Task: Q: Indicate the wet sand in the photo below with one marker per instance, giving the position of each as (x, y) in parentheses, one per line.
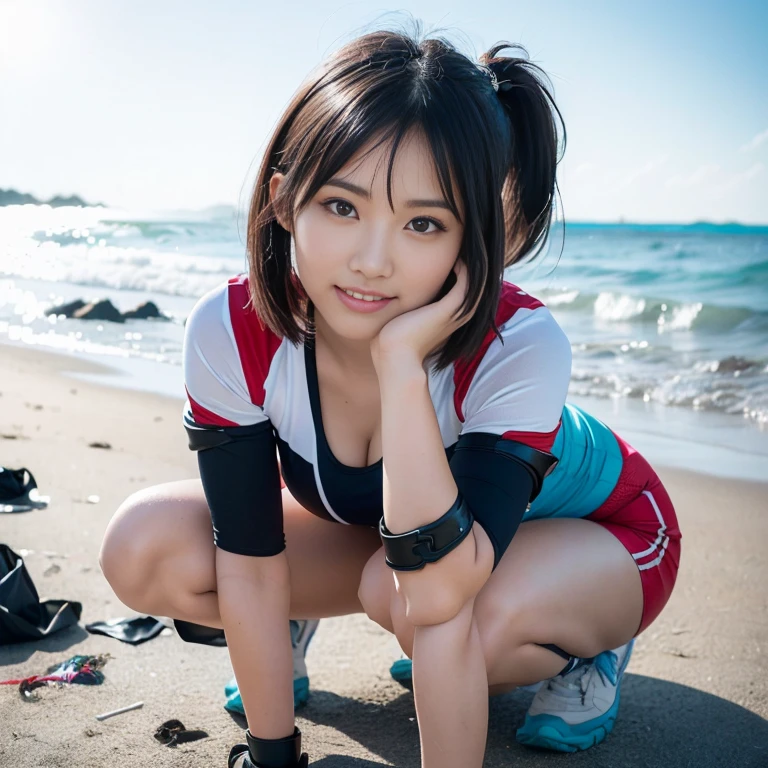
(695, 694)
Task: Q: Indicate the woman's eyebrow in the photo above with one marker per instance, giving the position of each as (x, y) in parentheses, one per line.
(350, 187)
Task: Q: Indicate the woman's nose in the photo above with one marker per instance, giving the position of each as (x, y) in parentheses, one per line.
(373, 254)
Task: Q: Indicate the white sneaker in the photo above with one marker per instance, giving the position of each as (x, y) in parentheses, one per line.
(577, 710)
(301, 634)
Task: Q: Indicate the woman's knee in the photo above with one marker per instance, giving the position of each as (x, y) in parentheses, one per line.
(129, 545)
(375, 590)
(149, 528)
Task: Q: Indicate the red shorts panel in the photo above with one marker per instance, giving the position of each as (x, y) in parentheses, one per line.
(640, 514)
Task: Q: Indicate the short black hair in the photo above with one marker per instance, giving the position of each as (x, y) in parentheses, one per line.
(496, 150)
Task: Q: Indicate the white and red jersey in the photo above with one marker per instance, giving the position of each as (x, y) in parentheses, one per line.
(237, 372)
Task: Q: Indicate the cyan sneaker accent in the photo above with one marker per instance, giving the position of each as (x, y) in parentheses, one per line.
(301, 634)
(578, 710)
(402, 671)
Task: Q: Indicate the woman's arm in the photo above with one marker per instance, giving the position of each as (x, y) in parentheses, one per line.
(452, 708)
(418, 489)
(237, 456)
(254, 599)
(515, 395)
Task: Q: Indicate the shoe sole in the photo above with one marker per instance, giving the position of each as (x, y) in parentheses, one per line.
(544, 731)
(552, 732)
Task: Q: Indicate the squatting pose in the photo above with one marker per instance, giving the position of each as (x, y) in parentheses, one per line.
(381, 425)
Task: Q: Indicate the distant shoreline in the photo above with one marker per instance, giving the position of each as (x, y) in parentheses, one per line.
(728, 227)
(10, 197)
(13, 197)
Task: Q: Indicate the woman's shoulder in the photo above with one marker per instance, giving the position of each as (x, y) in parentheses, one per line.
(228, 304)
(528, 328)
(517, 383)
(523, 322)
(228, 339)
(530, 364)
(516, 304)
(522, 319)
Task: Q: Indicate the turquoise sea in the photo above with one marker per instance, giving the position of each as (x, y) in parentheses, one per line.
(668, 323)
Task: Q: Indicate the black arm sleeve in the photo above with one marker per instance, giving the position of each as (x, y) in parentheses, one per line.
(498, 479)
(241, 480)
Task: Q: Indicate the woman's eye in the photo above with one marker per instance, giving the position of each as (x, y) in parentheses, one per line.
(438, 226)
(343, 208)
(422, 226)
(342, 204)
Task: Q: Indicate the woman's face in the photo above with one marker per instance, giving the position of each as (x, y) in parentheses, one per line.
(352, 239)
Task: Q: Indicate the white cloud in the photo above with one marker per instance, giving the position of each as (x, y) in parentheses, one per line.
(755, 142)
(700, 175)
(741, 178)
(643, 170)
(582, 169)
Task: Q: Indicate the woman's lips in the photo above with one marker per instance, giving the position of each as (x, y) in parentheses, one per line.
(360, 305)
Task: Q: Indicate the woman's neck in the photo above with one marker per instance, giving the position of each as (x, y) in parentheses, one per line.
(352, 357)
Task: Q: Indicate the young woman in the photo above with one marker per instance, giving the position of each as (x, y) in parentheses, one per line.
(417, 403)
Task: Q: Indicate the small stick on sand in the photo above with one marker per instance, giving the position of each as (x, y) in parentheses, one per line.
(137, 705)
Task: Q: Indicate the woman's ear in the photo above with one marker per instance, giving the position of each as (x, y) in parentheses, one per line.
(274, 183)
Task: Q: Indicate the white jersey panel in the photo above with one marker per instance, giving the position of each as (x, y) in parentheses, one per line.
(441, 391)
(521, 385)
(287, 401)
(213, 373)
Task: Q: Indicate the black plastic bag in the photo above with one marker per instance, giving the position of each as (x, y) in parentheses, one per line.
(22, 616)
(197, 633)
(18, 491)
(134, 631)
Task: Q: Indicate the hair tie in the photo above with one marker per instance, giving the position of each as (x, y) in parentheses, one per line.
(488, 71)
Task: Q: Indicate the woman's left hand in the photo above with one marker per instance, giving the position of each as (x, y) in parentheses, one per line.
(415, 334)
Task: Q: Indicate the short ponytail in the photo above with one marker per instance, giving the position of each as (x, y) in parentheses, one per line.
(529, 190)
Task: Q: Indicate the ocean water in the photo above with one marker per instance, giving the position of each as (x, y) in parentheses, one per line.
(663, 319)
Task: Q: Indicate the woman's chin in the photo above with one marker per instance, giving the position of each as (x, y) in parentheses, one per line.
(356, 332)
(354, 326)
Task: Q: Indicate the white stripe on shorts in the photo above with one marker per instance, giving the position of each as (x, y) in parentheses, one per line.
(661, 538)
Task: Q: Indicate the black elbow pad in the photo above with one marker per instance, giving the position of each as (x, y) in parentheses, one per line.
(241, 479)
(537, 463)
(498, 478)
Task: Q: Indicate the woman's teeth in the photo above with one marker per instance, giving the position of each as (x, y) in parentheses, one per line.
(363, 296)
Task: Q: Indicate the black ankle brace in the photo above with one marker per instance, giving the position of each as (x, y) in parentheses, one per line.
(276, 753)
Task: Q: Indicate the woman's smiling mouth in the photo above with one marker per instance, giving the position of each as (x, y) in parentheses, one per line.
(362, 302)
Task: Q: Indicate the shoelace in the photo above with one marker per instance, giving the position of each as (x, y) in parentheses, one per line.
(576, 683)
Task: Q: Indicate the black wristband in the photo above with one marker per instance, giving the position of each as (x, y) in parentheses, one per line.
(412, 550)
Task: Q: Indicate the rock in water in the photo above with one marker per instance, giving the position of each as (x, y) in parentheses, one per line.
(100, 310)
(67, 309)
(144, 311)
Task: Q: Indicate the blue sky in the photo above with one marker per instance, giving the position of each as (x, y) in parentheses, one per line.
(169, 104)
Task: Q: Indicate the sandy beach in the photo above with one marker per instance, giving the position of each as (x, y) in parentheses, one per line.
(696, 691)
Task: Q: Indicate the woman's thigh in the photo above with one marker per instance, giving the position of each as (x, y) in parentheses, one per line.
(159, 546)
(568, 582)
